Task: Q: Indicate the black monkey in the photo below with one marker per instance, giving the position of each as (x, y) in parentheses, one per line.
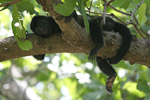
(45, 26)
(97, 37)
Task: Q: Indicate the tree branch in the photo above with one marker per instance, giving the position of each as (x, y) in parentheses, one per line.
(10, 3)
(55, 44)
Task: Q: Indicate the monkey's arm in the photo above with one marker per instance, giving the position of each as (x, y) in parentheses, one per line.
(97, 38)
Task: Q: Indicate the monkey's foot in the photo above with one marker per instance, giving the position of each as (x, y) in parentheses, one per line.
(93, 52)
(68, 19)
(110, 82)
(39, 57)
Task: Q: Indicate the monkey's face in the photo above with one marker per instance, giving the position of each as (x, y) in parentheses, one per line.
(43, 27)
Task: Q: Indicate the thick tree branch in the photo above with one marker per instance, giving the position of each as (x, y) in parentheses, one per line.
(54, 44)
(75, 35)
(138, 52)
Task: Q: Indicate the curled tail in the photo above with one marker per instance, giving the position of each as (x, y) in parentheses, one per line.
(125, 45)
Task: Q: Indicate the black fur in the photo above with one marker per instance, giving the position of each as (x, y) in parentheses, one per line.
(97, 37)
(45, 26)
(39, 57)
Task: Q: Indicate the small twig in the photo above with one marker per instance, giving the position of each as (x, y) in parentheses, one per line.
(124, 13)
(135, 27)
(10, 3)
(143, 1)
(110, 15)
(118, 19)
(136, 20)
(106, 4)
(87, 7)
(119, 11)
(90, 6)
(144, 32)
(128, 14)
(132, 14)
(137, 30)
(96, 13)
(104, 12)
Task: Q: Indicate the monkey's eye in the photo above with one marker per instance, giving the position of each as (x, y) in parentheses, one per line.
(38, 30)
(40, 23)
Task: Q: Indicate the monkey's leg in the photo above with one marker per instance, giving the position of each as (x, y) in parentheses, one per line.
(97, 38)
(108, 70)
(39, 57)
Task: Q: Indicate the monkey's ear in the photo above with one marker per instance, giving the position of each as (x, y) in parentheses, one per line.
(34, 21)
(39, 57)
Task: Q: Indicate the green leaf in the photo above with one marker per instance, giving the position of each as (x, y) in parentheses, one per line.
(2, 1)
(141, 14)
(126, 4)
(25, 5)
(143, 20)
(148, 74)
(143, 86)
(131, 88)
(132, 6)
(147, 2)
(17, 24)
(66, 8)
(26, 45)
(118, 3)
(86, 22)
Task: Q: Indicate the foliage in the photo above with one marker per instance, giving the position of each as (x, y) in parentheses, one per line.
(72, 76)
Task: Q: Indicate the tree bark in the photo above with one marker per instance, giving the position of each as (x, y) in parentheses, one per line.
(74, 39)
(138, 52)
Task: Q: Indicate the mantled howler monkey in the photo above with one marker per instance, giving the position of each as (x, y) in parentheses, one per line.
(97, 37)
(45, 26)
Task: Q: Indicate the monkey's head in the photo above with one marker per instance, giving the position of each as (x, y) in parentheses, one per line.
(42, 25)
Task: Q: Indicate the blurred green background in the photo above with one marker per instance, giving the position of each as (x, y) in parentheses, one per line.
(65, 76)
